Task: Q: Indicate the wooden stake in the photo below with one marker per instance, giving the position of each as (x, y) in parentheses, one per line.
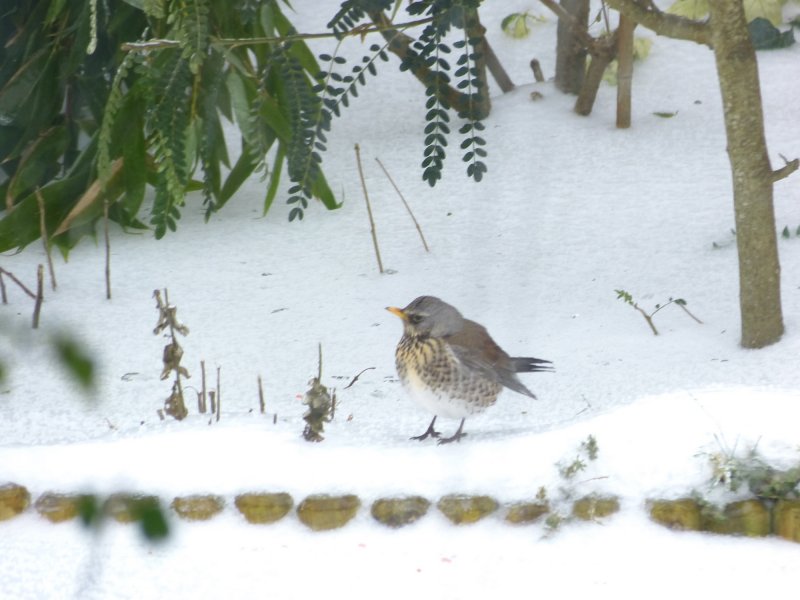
(624, 70)
(39, 295)
(45, 239)
(369, 210)
(408, 208)
(536, 67)
(261, 403)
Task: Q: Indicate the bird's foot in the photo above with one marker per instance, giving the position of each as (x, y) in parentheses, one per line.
(429, 432)
(456, 437)
(453, 438)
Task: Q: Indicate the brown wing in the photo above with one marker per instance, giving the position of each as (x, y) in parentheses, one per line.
(474, 347)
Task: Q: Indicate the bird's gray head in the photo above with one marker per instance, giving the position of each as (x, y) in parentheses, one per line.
(429, 316)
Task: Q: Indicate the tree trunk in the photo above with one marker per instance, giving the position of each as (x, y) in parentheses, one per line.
(624, 70)
(570, 49)
(756, 240)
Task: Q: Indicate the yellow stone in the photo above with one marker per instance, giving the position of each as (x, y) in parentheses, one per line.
(14, 499)
(58, 508)
(590, 508)
(198, 507)
(676, 514)
(787, 519)
(462, 509)
(262, 508)
(321, 512)
(526, 512)
(397, 512)
(748, 517)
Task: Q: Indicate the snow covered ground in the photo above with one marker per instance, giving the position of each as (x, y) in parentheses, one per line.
(570, 210)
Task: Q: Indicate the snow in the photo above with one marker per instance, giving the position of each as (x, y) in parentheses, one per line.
(570, 210)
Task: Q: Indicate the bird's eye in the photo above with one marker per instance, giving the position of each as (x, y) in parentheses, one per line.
(415, 319)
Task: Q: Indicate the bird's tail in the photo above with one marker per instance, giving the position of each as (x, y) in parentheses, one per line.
(522, 364)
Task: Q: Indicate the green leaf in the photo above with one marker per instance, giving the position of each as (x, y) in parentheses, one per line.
(238, 175)
(153, 522)
(75, 360)
(765, 36)
(764, 9)
(274, 178)
(665, 115)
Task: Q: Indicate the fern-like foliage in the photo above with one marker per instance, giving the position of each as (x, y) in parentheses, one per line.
(192, 30)
(351, 12)
(427, 58)
(471, 83)
(168, 139)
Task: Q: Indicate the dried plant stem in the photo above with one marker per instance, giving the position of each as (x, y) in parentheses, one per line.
(369, 210)
(45, 239)
(261, 404)
(108, 249)
(3, 295)
(647, 317)
(37, 308)
(212, 396)
(18, 282)
(201, 399)
(219, 395)
(686, 310)
(408, 208)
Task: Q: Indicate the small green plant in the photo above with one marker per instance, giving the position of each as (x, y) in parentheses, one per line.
(588, 451)
(753, 472)
(174, 406)
(648, 316)
(517, 25)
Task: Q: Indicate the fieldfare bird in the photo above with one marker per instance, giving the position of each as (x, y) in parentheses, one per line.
(451, 366)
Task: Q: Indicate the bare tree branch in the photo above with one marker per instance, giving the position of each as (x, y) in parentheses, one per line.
(648, 14)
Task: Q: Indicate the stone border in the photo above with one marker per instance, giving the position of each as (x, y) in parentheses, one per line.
(320, 512)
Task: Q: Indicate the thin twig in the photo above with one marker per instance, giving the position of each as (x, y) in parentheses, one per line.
(37, 308)
(686, 310)
(369, 209)
(18, 282)
(349, 385)
(647, 317)
(234, 42)
(219, 395)
(108, 249)
(3, 288)
(201, 399)
(262, 405)
(45, 239)
(408, 208)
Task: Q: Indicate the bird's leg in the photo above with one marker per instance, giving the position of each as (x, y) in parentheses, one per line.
(429, 432)
(456, 436)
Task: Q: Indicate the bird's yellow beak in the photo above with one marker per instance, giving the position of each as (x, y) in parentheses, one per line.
(397, 311)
